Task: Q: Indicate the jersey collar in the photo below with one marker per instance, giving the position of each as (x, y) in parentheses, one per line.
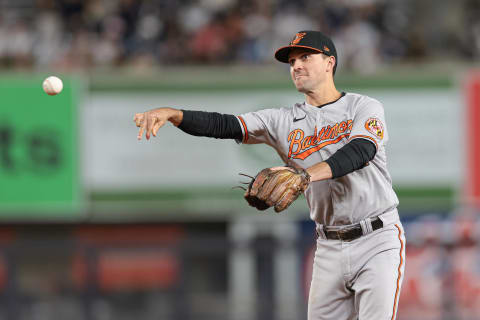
(328, 103)
(331, 102)
(299, 113)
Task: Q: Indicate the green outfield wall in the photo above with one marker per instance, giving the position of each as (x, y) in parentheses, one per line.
(39, 150)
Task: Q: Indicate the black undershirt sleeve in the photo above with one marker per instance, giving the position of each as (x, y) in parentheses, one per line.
(211, 124)
(353, 156)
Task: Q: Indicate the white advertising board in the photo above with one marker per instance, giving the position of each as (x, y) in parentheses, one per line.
(424, 149)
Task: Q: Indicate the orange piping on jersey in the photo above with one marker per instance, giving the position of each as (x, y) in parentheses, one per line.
(366, 137)
(303, 155)
(245, 136)
(399, 272)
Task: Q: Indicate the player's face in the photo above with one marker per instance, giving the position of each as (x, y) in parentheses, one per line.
(309, 70)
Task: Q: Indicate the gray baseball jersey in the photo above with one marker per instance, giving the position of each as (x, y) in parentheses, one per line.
(305, 135)
(358, 279)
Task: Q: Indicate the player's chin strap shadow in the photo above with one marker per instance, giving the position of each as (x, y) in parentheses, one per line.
(246, 183)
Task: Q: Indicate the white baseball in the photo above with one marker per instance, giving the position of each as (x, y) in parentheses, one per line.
(52, 85)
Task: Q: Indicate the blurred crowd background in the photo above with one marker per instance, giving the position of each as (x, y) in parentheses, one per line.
(86, 34)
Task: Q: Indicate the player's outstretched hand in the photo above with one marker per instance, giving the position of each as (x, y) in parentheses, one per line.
(150, 121)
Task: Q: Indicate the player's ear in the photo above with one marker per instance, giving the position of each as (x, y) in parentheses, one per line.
(331, 63)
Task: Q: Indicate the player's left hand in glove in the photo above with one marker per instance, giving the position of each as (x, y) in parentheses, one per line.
(276, 187)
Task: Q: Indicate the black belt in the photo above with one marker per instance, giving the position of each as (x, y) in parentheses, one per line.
(352, 232)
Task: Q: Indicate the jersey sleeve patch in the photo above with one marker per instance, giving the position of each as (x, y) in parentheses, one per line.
(375, 127)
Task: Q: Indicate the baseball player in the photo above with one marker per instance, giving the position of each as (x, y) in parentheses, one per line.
(333, 145)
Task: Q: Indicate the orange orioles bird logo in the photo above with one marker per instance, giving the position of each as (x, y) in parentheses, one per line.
(299, 36)
(301, 146)
(375, 126)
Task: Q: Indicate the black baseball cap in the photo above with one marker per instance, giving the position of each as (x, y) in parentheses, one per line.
(313, 40)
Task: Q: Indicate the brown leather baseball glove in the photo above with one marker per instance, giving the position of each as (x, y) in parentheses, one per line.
(276, 187)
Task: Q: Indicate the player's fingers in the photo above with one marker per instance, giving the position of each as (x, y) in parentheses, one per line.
(140, 133)
(150, 121)
(142, 128)
(138, 118)
(157, 126)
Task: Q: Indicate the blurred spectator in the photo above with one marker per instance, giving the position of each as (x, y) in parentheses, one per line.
(19, 46)
(358, 40)
(83, 34)
(210, 43)
(465, 268)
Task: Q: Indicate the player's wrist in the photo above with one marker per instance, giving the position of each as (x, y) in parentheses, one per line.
(175, 116)
(320, 171)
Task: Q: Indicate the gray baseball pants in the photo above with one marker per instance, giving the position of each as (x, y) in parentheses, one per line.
(359, 279)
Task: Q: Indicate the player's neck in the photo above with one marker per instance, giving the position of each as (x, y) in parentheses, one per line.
(322, 95)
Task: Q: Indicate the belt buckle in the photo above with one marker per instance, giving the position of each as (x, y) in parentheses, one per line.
(341, 233)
